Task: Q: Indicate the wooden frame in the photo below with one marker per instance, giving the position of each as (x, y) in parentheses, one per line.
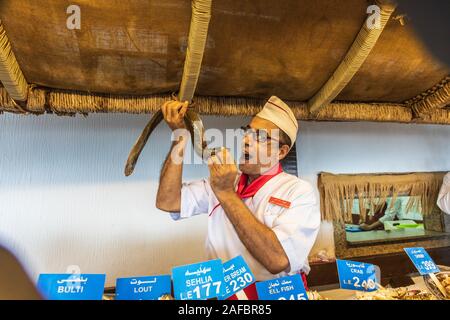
(393, 266)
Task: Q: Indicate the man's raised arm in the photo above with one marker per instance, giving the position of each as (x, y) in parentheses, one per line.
(169, 190)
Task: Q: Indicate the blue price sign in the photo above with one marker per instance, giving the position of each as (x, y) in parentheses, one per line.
(198, 281)
(355, 275)
(72, 286)
(285, 288)
(236, 276)
(422, 260)
(143, 288)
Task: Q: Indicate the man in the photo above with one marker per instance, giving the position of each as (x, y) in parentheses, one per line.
(381, 214)
(269, 217)
(443, 201)
(390, 212)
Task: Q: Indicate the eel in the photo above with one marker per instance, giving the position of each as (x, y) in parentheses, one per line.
(193, 123)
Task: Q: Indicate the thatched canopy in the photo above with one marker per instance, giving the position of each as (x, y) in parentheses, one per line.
(128, 55)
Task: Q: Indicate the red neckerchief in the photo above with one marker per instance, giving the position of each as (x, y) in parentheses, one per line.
(247, 191)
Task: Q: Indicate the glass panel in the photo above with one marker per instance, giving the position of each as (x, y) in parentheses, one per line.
(396, 219)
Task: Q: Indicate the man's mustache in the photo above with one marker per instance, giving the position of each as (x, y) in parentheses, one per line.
(255, 157)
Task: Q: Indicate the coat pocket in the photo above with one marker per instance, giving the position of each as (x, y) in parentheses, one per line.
(272, 213)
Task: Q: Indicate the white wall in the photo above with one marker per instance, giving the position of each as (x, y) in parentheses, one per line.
(64, 199)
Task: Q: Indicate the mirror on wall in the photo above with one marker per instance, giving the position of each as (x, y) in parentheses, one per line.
(383, 208)
(393, 219)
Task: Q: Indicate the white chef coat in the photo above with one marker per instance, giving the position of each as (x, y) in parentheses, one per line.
(296, 227)
(398, 210)
(444, 195)
(392, 212)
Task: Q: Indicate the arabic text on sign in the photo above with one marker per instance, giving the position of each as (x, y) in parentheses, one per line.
(357, 275)
(285, 288)
(236, 273)
(198, 281)
(70, 289)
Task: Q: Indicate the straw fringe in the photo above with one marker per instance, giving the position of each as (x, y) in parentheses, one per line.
(435, 98)
(235, 106)
(10, 74)
(72, 102)
(6, 103)
(439, 116)
(36, 100)
(62, 102)
(429, 92)
(383, 112)
(372, 191)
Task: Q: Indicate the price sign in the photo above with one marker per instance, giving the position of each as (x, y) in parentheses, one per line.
(198, 281)
(422, 260)
(360, 276)
(143, 288)
(237, 276)
(285, 288)
(72, 286)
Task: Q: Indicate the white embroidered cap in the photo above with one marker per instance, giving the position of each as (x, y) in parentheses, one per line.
(279, 113)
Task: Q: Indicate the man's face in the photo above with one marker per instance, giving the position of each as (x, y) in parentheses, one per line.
(261, 147)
